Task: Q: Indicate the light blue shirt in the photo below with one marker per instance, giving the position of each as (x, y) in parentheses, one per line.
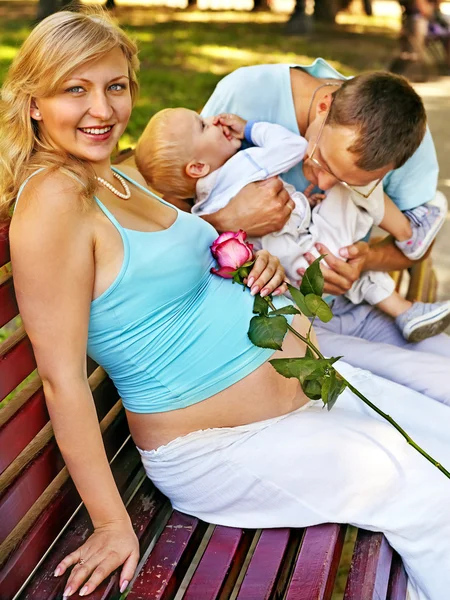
(263, 93)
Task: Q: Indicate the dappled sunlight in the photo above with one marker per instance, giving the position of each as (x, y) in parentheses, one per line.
(8, 52)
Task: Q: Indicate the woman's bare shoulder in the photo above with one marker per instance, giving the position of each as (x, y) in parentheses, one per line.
(50, 201)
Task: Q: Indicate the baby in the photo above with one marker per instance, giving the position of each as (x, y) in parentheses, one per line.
(183, 156)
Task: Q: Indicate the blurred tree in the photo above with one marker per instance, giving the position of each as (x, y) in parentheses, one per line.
(325, 11)
(48, 7)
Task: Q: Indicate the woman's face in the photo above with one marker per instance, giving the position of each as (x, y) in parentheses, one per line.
(90, 111)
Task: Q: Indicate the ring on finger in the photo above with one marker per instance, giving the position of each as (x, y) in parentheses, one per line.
(81, 561)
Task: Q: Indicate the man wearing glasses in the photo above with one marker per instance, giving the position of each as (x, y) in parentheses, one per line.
(357, 145)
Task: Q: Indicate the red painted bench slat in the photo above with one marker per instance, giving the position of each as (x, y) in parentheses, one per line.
(15, 365)
(371, 565)
(317, 563)
(8, 304)
(160, 576)
(44, 584)
(260, 578)
(4, 245)
(53, 518)
(215, 564)
(21, 428)
(398, 581)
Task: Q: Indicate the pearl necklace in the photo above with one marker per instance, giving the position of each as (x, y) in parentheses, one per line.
(126, 195)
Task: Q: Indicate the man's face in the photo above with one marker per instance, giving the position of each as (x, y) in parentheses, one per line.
(329, 162)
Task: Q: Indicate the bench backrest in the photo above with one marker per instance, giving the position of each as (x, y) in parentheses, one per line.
(37, 497)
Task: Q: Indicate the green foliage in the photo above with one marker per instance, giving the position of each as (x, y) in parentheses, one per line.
(316, 374)
(268, 332)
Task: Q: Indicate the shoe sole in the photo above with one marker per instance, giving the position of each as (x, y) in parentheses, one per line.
(427, 326)
(426, 243)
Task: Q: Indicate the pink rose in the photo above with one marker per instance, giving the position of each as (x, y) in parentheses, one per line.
(231, 252)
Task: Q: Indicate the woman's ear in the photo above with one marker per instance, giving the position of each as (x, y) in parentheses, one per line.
(196, 169)
(35, 112)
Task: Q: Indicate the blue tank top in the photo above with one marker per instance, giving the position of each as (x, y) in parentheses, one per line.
(167, 331)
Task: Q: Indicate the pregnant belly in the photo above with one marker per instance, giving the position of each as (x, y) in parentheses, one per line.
(262, 394)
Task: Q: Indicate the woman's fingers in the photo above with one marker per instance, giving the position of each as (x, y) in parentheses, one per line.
(100, 572)
(68, 561)
(266, 275)
(129, 568)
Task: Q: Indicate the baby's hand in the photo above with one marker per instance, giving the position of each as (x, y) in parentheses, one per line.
(233, 125)
(313, 199)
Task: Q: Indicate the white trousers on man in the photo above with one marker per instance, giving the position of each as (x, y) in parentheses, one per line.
(313, 466)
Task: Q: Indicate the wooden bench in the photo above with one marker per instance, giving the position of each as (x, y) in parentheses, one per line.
(42, 518)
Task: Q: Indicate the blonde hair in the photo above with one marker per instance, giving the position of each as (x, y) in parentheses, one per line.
(162, 154)
(54, 49)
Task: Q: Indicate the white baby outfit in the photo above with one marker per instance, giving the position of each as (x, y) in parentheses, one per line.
(339, 220)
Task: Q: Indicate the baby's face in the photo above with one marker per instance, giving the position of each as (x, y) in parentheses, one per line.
(210, 143)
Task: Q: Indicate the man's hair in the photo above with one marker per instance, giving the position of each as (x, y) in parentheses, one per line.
(388, 114)
(162, 154)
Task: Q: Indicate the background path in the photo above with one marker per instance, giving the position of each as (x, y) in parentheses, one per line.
(436, 97)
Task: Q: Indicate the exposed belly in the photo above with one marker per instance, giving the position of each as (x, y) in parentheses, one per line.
(263, 394)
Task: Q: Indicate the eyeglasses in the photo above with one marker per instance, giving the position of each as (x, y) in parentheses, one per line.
(318, 165)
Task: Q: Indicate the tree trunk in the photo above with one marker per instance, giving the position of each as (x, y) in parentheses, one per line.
(299, 23)
(260, 5)
(110, 4)
(325, 11)
(46, 8)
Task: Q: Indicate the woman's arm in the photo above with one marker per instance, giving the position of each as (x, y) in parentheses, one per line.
(52, 250)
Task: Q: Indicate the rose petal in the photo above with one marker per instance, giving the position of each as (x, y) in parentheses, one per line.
(233, 253)
(225, 272)
(223, 237)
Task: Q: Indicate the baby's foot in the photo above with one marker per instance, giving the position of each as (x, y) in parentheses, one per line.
(423, 320)
(426, 220)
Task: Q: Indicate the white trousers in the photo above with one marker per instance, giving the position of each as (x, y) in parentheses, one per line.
(370, 339)
(313, 466)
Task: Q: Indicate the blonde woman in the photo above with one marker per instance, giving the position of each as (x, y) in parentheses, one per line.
(100, 264)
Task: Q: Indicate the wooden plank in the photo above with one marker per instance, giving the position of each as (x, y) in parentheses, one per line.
(4, 244)
(21, 428)
(261, 576)
(215, 564)
(22, 494)
(398, 580)
(36, 535)
(15, 365)
(370, 568)
(167, 564)
(317, 563)
(44, 584)
(8, 303)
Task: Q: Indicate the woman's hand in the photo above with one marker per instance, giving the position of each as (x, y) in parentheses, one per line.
(267, 275)
(341, 274)
(109, 547)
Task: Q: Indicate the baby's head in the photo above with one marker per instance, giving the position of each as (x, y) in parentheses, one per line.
(178, 147)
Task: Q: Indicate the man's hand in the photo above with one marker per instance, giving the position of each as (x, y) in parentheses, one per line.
(340, 274)
(259, 208)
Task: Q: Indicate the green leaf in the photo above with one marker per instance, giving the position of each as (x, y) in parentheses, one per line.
(318, 307)
(312, 281)
(285, 310)
(309, 353)
(260, 306)
(301, 368)
(299, 300)
(268, 332)
(313, 388)
(332, 387)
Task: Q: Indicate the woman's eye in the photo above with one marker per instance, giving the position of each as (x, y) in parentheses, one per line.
(117, 87)
(76, 89)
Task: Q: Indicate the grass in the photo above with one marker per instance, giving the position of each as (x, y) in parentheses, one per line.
(184, 54)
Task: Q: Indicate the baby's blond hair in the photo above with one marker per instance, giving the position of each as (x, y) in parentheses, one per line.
(162, 154)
